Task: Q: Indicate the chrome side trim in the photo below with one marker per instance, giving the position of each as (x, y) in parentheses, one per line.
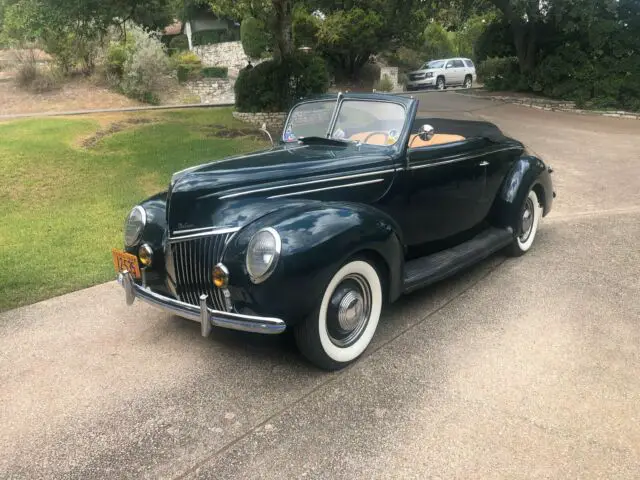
(310, 182)
(206, 232)
(357, 184)
(234, 321)
(459, 159)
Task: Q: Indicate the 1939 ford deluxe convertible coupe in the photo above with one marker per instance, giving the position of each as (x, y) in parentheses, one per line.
(358, 203)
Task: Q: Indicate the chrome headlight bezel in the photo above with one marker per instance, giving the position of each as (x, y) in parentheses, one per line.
(259, 276)
(132, 239)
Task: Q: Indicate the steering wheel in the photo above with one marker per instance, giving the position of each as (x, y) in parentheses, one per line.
(386, 137)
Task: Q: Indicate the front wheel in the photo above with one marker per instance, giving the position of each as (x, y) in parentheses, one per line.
(440, 85)
(528, 225)
(342, 326)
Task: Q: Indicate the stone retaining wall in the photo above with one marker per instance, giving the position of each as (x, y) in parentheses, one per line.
(274, 120)
(212, 90)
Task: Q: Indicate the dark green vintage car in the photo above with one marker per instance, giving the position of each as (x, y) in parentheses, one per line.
(358, 203)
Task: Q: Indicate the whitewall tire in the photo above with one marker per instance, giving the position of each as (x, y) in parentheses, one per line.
(530, 216)
(342, 326)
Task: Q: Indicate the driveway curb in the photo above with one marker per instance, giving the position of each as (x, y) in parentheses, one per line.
(541, 104)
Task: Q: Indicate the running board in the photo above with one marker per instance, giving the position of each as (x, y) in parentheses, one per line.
(423, 271)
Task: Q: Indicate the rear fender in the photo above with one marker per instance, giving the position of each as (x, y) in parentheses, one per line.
(316, 240)
(528, 172)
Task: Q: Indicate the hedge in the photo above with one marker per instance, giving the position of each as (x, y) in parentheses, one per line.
(273, 87)
(215, 72)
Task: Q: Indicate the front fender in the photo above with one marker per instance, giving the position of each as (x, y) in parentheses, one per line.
(317, 239)
(528, 172)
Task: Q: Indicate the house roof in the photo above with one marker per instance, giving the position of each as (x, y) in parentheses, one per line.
(174, 29)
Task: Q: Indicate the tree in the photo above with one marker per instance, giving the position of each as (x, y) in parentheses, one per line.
(438, 42)
(349, 37)
(254, 37)
(277, 15)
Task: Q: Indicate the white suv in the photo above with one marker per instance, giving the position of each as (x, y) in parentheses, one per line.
(443, 73)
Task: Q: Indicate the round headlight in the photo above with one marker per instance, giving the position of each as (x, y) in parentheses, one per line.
(262, 254)
(134, 225)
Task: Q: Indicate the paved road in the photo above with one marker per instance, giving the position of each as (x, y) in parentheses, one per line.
(521, 368)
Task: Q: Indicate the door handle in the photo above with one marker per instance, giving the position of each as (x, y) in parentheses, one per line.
(484, 163)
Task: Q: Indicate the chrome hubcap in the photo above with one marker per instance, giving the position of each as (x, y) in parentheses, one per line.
(527, 220)
(348, 310)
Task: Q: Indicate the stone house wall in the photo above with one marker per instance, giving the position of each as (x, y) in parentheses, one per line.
(226, 54)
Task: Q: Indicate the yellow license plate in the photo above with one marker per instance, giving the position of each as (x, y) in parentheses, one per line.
(124, 261)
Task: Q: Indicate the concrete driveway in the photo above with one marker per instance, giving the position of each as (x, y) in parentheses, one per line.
(523, 368)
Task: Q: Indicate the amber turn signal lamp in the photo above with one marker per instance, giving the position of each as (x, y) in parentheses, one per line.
(145, 255)
(220, 276)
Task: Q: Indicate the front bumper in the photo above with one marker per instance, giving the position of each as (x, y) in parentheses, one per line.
(422, 83)
(200, 313)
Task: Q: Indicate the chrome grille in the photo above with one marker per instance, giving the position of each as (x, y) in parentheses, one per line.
(190, 263)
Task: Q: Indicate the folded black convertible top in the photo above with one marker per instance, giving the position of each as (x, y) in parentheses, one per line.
(465, 128)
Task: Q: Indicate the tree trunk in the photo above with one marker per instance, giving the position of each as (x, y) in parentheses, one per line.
(283, 31)
(525, 41)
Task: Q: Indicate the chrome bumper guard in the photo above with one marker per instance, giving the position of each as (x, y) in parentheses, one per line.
(200, 313)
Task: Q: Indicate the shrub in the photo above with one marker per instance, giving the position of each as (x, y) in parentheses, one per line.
(46, 80)
(385, 84)
(179, 43)
(147, 68)
(115, 58)
(215, 72)
(187, 58)
(25, 66)
(186, 72)
(254, 37)
(273, 86)
(499, 73)
(189, 66)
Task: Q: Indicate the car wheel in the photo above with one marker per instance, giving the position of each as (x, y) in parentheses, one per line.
(440, 84)
(468, 81)
(343, 324)
(531, 213)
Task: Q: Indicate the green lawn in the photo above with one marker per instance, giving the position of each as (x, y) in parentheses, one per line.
(63, 204)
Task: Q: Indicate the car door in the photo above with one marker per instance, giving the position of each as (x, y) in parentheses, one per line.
(444, 190)
(460, 71)
(450, 73)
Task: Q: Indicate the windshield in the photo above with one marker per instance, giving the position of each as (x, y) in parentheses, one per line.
(365, 121)
(433, 64)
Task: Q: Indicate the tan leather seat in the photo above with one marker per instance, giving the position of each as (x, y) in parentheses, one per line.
(438, 139)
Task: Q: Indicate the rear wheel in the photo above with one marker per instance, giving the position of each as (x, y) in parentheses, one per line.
(528, 225)
(468, 81)
(440, 84)
(343, 324)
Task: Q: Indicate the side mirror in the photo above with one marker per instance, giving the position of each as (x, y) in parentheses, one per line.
(449, 65)
(264, 130)
(425, 134)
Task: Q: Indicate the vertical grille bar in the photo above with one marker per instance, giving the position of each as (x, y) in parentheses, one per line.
(192, 261)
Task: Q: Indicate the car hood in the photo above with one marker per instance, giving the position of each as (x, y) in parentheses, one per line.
(204, 196)
(424, 71)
